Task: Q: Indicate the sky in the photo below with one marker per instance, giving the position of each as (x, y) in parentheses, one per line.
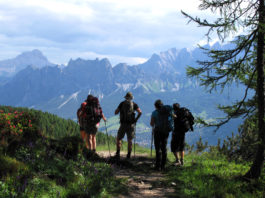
(124, 31)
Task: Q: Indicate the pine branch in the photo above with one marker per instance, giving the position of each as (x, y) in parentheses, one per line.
(232, 113)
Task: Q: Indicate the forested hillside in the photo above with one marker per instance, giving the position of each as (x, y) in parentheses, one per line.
(42, 155)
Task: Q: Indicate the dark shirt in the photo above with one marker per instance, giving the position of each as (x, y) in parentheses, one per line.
(135, 106)
(131, 118)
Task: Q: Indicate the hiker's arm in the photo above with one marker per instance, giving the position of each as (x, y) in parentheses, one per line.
(139, 114)
(152, 122)
(117, 111)
(104, 118)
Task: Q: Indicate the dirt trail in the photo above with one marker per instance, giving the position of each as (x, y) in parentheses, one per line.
(143, 180)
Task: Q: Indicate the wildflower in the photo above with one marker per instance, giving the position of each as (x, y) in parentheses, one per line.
(30, 125)
(20, 130)
(29, 121)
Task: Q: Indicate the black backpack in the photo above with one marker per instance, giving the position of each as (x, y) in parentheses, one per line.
(184, 120)
(92, 110)
(127, 114)
(165, 119)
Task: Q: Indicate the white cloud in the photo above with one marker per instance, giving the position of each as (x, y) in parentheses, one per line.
(129, 30)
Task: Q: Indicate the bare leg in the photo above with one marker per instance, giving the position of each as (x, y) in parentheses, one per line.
(84, 138)
(129, 145)
(90, 141)
(182, 157)
(176, 155)
(118, 144)
(94, 143)
(129, 148)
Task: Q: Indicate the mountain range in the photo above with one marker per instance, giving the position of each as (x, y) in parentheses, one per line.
(30, 80)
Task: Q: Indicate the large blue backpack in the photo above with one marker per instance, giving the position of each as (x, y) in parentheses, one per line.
(165, 119)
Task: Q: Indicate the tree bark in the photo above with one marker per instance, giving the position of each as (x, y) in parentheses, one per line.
(256, 168)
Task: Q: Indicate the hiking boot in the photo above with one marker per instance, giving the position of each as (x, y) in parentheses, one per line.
(117, 155)
(177, 163)
(157, 168)
(128, 155)
(163, 168)
(87, 154)
(181, 162)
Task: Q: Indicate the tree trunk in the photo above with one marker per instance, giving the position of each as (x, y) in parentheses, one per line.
(257, 165)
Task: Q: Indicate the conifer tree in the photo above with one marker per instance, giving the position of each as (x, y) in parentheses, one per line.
(243, 63)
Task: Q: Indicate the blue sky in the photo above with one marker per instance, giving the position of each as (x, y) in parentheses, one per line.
(127, 31)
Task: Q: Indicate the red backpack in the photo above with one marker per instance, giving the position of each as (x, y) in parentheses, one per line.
(91, 110)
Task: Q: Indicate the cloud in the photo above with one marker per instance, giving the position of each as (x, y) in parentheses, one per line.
(113, 28)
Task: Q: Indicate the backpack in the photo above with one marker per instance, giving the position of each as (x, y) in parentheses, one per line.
(165, 124)
(91, 110)
(184, 120)
(78, 113)
(127, 114)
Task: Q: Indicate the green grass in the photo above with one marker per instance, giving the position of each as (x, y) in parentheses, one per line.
(113, 124)
(138, 149)
(210, 176)
(38, 166)
(39, 171)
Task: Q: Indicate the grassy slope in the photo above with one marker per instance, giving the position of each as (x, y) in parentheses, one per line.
(34, 165)
(209, 175)
(53, 168)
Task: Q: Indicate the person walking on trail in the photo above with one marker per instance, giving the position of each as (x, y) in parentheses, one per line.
(162, 122)
(182, 124)
(89, 115)
(127, 109)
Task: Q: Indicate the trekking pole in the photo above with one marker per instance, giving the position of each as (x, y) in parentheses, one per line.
(107, 137)
(152, 139)
(134, 139)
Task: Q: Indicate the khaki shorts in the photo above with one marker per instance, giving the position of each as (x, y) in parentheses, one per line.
(129, 129)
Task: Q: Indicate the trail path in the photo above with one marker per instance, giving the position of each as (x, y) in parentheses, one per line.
(143, 180)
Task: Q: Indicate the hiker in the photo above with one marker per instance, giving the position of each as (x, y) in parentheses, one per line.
(182, 124)
(162, 123)
(128, 121)
(90, 114)
(80, 121)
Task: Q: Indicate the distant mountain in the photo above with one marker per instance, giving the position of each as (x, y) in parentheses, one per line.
(35, 58)
(60, 90)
